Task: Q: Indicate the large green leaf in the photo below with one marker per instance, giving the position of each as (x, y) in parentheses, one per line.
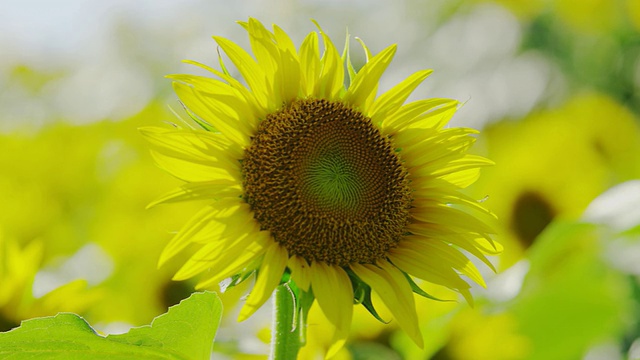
(186, 331)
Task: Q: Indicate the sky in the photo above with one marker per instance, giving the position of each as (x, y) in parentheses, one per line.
(108, 59)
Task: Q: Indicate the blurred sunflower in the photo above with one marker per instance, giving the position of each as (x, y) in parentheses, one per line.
(341, 190)
(592, 16)
(474, 334)
(370, 338)
(633, 10)
(75, 188)
(18, 268)
(554, 163)
(523, 9)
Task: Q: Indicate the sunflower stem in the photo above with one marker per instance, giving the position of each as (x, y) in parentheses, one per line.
(285, 338)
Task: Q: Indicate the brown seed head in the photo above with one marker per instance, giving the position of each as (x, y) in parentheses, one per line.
(326, 183)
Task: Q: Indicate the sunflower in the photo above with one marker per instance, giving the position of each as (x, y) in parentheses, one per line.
(324, 185)
(572, 156)
(18, 268)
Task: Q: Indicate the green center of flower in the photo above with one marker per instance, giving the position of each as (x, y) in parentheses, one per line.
(332, 182)
(326, 183)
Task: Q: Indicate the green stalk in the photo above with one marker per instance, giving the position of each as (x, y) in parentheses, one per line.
(285, 337)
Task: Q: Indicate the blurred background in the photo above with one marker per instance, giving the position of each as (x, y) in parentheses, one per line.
(552, 85)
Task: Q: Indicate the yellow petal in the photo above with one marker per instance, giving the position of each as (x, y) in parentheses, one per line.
(441, 214)
(450, 164)
(415, 113)
(248, 68)
(283, 40)
(199, 146)
(430, 269)
(277, 52)
(212, 190)
(346, 58)
(199, 222)
(390, 101)
(192, 171)
(266, 53)
(208, 257)
(394, 290)
(300, 272)
(331, 81)
(334, 292)
(412, 139)
(225, 102)
(367, 52)
(445, 192)
(361, 92)
(223, 227)
(269, 275)
(289, 72)
(215, 112)
(464, 241)
(337, 342)
(258, 111)
(310, 64)
(427, 269)
(263, 47)
(463, 178)
(232, 264)
(442, 252)
(217, 253)
(434, 146)
(437, 118)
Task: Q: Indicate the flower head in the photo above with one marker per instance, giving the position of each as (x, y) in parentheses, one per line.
(344, 191)
(560, 177)
(18, 268)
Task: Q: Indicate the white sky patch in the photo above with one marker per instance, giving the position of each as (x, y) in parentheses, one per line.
(507, 284)
(618, 207)
(114, 54)
(90, 263)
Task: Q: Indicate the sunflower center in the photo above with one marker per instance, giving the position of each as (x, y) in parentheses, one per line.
(531, 215)
(326, 183)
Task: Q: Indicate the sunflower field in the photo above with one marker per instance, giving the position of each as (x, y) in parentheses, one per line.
(435, 179)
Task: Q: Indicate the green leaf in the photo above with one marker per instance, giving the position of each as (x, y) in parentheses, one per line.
(186, 331)
(362, 295)
(302, 301)
(418, 290)
(571, 297)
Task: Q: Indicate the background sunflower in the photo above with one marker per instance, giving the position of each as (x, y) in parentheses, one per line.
(552, 85)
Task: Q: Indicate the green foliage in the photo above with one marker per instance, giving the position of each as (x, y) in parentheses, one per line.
(416, 289)
(362, 295)
(186, 331)
(571, 299)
